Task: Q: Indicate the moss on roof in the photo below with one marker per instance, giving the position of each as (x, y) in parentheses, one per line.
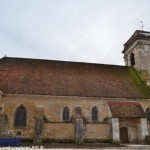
(139, 83)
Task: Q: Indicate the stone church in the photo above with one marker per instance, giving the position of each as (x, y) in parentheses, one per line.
(75, 101)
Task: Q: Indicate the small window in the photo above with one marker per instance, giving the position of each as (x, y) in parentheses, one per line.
(132, 59)
(65, 114)
(78, 111)
(20, 119)
(94, 114)
(1, 109)
(148, 114)
(18, 133)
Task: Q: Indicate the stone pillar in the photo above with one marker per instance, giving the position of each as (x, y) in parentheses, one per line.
(142, 130)
(38, 129)
(114, 122)
(79, 128)
(128, 60)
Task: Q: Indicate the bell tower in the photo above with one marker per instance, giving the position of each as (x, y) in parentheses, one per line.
(137, 53)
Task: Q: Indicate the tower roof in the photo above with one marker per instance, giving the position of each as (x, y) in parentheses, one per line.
(138, 35)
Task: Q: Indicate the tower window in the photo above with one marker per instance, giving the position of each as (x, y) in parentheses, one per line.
(148, 114)
(94, 114)
(65, 115)
(20, 119)
(132, 59)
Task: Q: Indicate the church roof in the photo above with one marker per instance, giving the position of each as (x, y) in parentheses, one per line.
(126, 109)
(60, 78)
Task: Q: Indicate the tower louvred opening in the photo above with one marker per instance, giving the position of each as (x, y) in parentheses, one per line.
(132, 59)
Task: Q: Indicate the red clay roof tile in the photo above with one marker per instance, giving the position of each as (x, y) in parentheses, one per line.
(35, 76)
(126, 109)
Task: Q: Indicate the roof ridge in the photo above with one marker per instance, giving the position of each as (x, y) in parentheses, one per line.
(63, 61)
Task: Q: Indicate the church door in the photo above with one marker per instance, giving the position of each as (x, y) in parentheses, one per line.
(124, 135)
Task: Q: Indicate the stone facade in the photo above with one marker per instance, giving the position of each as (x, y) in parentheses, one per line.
(50, 108)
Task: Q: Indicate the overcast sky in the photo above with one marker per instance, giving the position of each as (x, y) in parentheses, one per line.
(71, 30)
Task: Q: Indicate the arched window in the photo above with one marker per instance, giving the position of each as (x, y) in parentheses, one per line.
(94, 114)
(148, 114)
(20, 119)
(132, 59)
(65, 114)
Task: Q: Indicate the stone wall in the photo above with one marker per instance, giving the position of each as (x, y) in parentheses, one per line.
(51, 107)
(58, 131)
(97, 131)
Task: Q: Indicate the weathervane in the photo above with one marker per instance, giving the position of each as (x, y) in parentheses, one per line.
(142, 25)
